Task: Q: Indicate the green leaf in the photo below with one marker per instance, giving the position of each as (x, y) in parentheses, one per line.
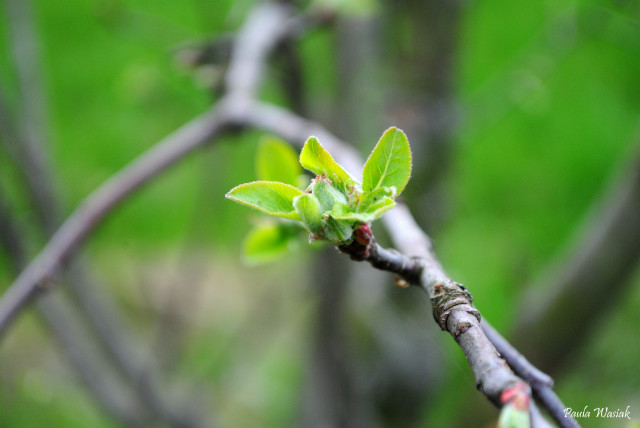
(267, 196)
(375, 211)
(512, 417)
(338, 231)
(269, 241)
(308, 207)
(317, 159)
(343, 212)
(277, 161)
(381, 207)
(370, 198)
(327, 194)
(389, 164)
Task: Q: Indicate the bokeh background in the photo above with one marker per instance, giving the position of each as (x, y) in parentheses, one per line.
(522, 116)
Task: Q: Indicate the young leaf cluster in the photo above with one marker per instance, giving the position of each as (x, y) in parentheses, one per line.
(335, 204)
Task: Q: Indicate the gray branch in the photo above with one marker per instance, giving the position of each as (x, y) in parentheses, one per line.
(40, 273)
(95, 306)
(451, 302)
(70, 336)
(25, 139)
(600, 266)
(541, 383)
(32, 120)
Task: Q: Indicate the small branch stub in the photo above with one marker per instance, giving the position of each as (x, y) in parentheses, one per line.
(401, 282)
(365, 248)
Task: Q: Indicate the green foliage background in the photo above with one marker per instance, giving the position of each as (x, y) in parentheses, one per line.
(549, 93)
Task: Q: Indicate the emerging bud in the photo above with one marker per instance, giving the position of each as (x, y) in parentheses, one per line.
(308, 207)
(338, 231)
(328, 196)
(364, 235)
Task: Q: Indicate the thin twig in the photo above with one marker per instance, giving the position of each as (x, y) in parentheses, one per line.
(541, 383)
(265, 27)
(385, 259)
(550, 401)
(32, 120)
(243, 77)
(516, 360)
(452, 310)
(25, 139)
(95, 307)
(451, 301)
(84, 220)
(537, 419)
(71, 338)
(606, 251)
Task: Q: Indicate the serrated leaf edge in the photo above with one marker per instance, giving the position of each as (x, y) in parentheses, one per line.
(340, 172)
(388, 161)
(292, 215)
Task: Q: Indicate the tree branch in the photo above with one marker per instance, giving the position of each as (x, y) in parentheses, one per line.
(96, 310)
(265, 27)
(25, 139)
(537, 420)
(28, 150)
(541, 383)
(452, 310)
(32, 120)
(451, 301)
(606, 252)
(75, 229)
(411, 269)
(70, 337)
(243, 77)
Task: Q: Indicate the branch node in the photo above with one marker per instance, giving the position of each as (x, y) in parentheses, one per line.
(416, 269)
(447, 296)
(401, 282)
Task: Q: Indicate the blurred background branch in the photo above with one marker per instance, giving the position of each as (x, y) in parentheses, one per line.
(68, 319)
(585, 286)
(490, 98)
